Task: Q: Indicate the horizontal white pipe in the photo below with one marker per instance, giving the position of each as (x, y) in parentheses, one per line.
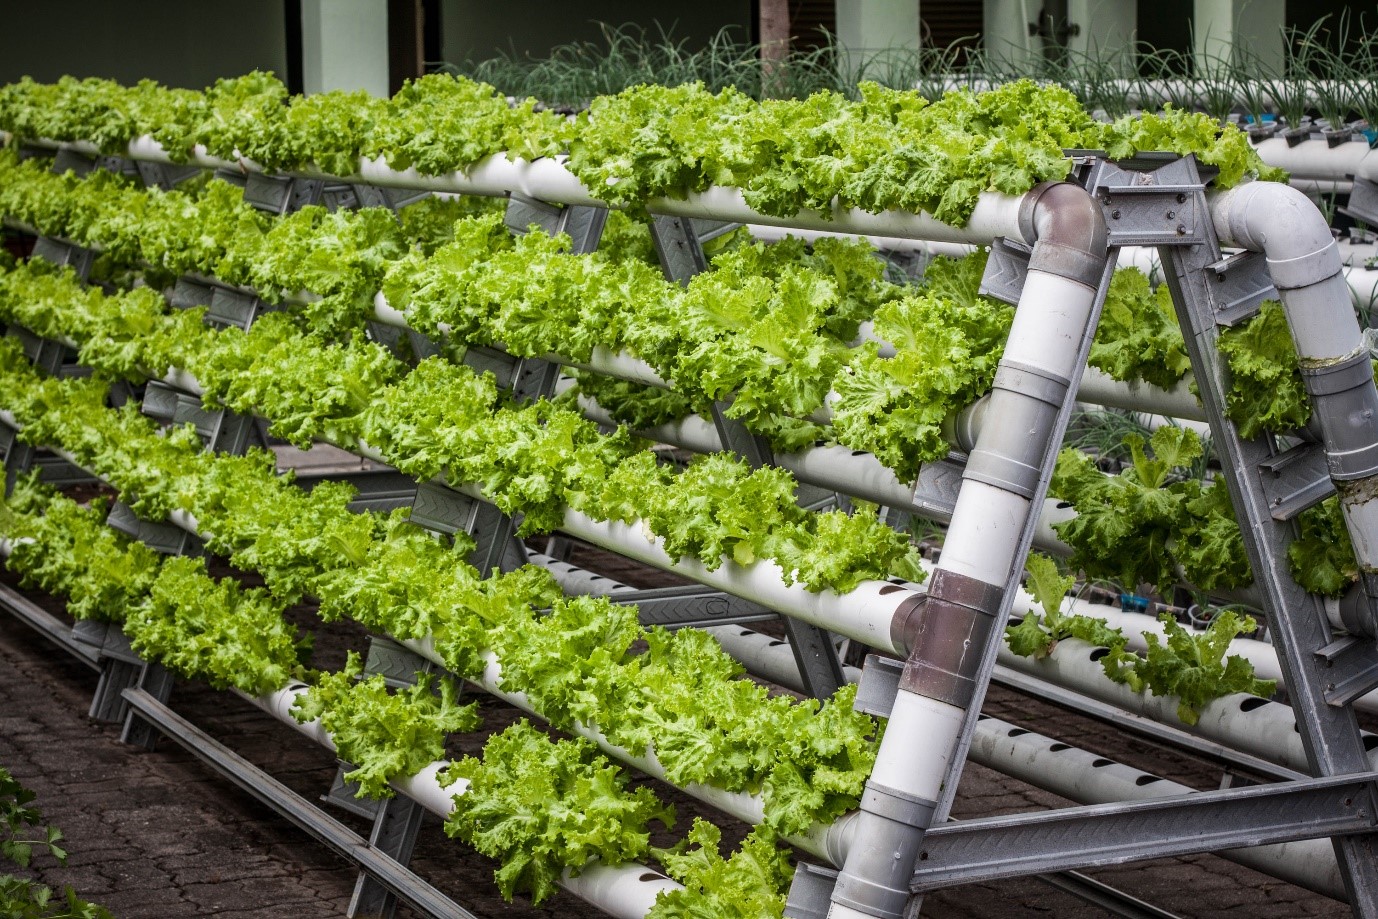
(1315, 158)
(1073, 773)
(1262, 728)
(1101, 388)
(745, 807)
(883, 243)
(1086, 778)
(626, 891)
(547, 179)
(863, 614)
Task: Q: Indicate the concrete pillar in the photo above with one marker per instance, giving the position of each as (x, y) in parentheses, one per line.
(1105, 28)
(344, 45)
(871, 30)
(1006, 32)
(1239, 31)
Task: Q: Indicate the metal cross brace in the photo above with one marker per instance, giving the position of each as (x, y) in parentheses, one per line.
(1111, 834)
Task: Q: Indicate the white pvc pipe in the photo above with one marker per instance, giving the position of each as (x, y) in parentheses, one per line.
(547, 179)
(1099, 387)
(1283, 224)
(1247, 723)
(626, 892)
(1084, 777)
(1315, 159)
(863, 614)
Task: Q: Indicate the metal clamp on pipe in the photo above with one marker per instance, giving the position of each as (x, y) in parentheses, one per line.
(949, 637)
(1342, 391)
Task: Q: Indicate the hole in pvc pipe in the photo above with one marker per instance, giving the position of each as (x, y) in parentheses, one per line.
(774, 644)
(1063, 505)
(596, 577)
(889, 589)
(1146, 780)
(1100, 763)
(1098, 653)
(1252, 703)
(1059, 747)
(649, 876)
(858, 453)
(1017, 732)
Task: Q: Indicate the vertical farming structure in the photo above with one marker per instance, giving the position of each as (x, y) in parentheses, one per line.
(1052, 253)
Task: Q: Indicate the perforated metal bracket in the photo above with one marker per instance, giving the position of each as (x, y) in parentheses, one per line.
(281, 194)
(68, 160)
(527, 378)
(583, 225)
(46, 355)
(1007, 268)
(679, 243)
(691, 605)
(1238, 286)
(187, 293)
(535, 379)
(232, 308)
(160, 402)
(157, 683)
(60, 252)
(1363, 202)
(233, 176)
(936, 488)
(338, 196)
(811, 892)
(736, 438)
(398, 665)
(345, 795)
(120, 667)
(394, 198)
(441, 509)
(396, 826)
(28, 151)
(1351, 669)
(107, 638)
(1162, 206)
(880, 684)
(161, 537)
(1296, 480)
(166, 176)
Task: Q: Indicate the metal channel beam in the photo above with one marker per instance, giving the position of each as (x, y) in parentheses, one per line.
(47, 625)
(1297, 620)
(398, 880)
(692, 605)
(1099, 835)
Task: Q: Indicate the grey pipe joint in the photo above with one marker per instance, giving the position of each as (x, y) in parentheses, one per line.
(948, 632)
(1343, 394)
(889, 835)
(1065, 226)
(1011, 455)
